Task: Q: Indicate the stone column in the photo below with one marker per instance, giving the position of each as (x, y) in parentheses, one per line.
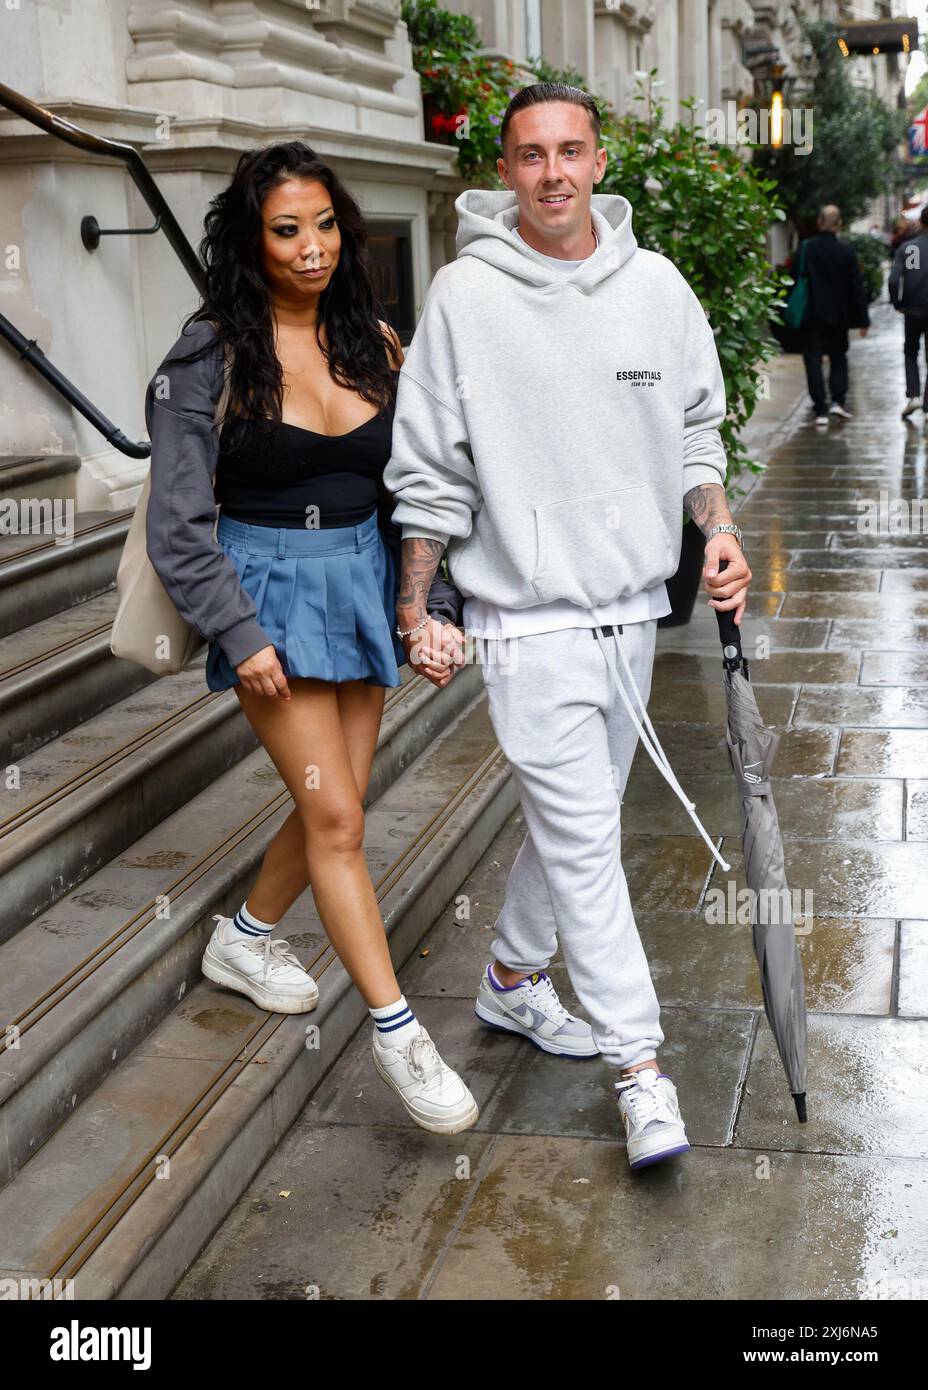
(693, 27)
(501, 24)
(621, 27)
(567, 34)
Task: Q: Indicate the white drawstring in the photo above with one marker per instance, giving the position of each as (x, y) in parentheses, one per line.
(656, 752)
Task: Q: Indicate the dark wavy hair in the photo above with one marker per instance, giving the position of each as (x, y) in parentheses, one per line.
(237, 301)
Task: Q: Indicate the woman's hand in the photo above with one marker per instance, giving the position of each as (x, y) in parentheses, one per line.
(262, 674)
(429, 652)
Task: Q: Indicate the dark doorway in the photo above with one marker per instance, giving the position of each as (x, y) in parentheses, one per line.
(390, 247)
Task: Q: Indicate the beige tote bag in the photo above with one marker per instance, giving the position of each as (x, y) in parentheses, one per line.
(147, 628)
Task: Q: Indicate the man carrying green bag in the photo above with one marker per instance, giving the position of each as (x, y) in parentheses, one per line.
(827, 299)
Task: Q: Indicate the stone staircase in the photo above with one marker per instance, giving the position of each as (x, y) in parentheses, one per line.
(137, 1099)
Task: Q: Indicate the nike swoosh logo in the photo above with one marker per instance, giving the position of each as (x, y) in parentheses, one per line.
(526, 1016)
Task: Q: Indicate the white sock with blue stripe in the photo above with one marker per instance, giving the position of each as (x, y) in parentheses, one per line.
(396, 1024)
(244, 926)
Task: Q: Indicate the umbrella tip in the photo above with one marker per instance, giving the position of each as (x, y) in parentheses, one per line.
(800, 1098)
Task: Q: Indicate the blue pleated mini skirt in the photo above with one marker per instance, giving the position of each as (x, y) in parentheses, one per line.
(326, 597)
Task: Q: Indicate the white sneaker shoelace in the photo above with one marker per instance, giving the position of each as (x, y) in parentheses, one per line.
(277, 956)
(645, 1103)
(544, 997)
(274, 952)
(424, 1062)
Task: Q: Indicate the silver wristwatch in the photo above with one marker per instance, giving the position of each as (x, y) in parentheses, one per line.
(728, 526)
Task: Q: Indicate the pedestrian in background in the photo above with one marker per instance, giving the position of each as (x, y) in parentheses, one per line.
(837, 302)
(903, 230)
(908, 293)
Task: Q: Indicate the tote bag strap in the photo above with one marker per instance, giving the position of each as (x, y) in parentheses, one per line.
(222, 405)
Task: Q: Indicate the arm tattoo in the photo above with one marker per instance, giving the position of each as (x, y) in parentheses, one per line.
(707, 505)
(420, 558)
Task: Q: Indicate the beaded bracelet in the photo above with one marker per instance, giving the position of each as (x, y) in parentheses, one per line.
(409, 631)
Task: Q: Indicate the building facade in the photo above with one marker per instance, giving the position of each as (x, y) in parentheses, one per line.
(193, 84)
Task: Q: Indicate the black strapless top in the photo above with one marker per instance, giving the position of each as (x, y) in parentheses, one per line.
(279, 471)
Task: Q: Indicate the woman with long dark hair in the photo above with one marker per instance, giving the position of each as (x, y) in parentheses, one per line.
(297, 590)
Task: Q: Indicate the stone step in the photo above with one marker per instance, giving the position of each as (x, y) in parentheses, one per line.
(83, 797)
(89, 978)
(42, 574)
(40, 476)
(59, 672)
(128, 1190)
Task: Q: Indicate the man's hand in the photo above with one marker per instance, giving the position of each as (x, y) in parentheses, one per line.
(429, 652)
(727, 588)
(433, 650)
(262, 674)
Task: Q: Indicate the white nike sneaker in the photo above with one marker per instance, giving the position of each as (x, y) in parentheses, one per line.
(266, 971)
(821, 421)
(910, 407)
(845, 414)
(534, 1011)
(653, 1123)
(432, 1094)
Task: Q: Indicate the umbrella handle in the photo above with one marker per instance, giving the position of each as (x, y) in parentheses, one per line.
(730, 635)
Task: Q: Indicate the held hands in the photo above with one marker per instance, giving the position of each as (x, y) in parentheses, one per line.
(435, 651)
(262, 674)
(729, 588)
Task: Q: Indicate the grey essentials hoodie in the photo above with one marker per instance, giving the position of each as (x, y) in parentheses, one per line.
(547, 426)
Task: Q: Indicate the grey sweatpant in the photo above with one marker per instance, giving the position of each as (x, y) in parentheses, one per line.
(563, 727)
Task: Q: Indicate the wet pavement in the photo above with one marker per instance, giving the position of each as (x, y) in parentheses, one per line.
(537, 1202)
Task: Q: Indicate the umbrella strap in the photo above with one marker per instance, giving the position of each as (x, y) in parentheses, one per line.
(655, 751)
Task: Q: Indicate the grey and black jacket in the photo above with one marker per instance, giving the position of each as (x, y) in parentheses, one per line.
(201, 581)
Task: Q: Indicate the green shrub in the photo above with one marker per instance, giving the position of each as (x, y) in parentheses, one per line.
(871, 253)
(471, 92)
(708, 211)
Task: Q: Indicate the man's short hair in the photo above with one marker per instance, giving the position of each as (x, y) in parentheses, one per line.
(540, 92)
(923, 216)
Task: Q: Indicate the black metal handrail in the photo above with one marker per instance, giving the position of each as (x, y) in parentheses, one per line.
(72, 134)
(30, 350)
(27, 348)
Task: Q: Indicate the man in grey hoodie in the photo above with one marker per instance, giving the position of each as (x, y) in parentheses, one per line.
(558, 408)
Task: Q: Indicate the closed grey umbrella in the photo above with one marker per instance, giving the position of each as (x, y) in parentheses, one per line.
(751, 749)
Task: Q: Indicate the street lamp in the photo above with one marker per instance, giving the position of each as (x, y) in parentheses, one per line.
(776, 105)
(772, 88)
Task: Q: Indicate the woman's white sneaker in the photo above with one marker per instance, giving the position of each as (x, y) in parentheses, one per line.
(433, 1095)
(266, 971)
(534, 1011)
(653, 1124)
